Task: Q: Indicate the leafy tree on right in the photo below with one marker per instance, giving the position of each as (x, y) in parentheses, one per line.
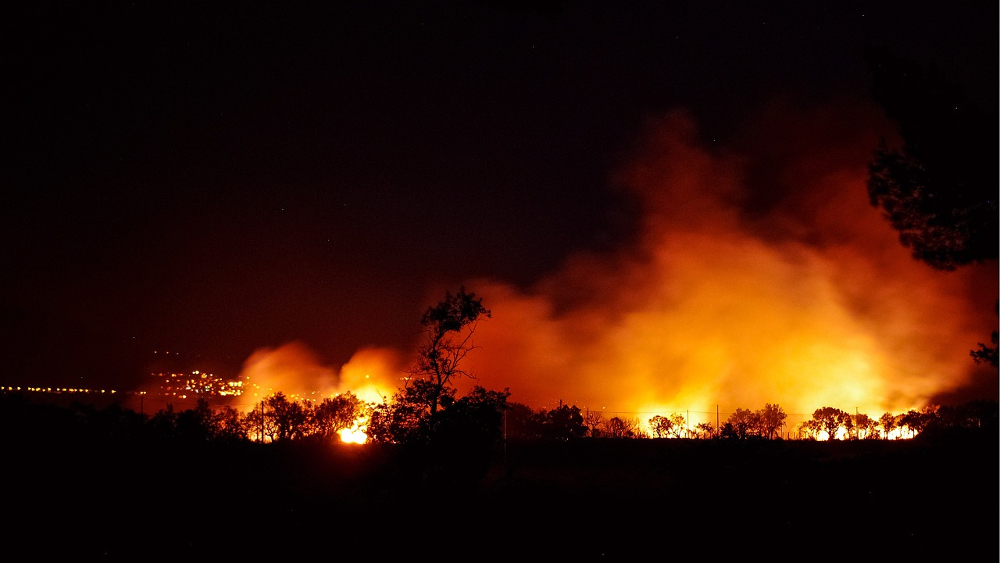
(939, 189)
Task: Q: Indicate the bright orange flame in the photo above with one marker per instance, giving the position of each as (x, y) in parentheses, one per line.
(372, 373)
(728, 298)
(295, 370)
(809, 302)
(353, 436)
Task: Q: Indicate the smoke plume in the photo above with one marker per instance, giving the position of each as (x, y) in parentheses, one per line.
(759, 273)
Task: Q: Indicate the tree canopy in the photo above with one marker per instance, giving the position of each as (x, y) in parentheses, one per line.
(939, 189)
(448, 328)
(426, 408)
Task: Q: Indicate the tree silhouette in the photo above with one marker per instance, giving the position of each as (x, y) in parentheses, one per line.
(863, 427)
(163, 424)
(618, 427)
(415, 412)
(704, 429)
(338, 413)
(562, 423)
(593, 421)
(987, 354)
(678, 426)
(520, 422)
(661, 426)
(448, 328)
(973, 416)
(770, 420)
(228, 425)
(809, 429)
(404, 418)
(915, 421)
(474, 419)
(289, 417)
(741, 424)
(888, 423)
(830, 420)
(259, 428)
(461, 445)
(939, 190)
(196, 424)
(277, 418)
(673, 426)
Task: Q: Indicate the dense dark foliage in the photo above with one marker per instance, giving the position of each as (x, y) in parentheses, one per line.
(477, 478)
(110, 484)
(564, 422)
(939, 189)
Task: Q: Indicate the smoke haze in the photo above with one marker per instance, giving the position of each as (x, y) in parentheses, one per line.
(758, 273)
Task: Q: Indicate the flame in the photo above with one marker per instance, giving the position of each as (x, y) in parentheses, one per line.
(372, 374)
(806, 301)
(297, 371)
(353, 436)
(759, 273)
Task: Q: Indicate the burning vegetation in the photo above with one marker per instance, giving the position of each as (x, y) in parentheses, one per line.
(759, 275)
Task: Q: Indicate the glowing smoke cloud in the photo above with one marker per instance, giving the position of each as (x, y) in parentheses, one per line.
(740, 289)
(805, 301)
(295, 370)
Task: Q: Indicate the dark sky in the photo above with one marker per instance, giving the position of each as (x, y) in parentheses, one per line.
(217, 179)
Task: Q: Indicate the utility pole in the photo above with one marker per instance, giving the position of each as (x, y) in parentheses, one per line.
(505, 439)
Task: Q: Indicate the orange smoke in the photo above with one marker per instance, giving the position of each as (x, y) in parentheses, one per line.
(737, 294)
(757, 275)
(372, 374)
(295, 370)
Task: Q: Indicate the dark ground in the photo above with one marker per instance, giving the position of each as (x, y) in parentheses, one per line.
(589, 499)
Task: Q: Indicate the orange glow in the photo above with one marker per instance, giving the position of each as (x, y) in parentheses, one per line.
(372, 373)
(353, 436)
(295, 370)
(807, 301)
(810, 303)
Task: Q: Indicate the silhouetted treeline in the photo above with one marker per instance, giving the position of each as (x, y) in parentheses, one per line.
(482, 416)
(967, 418)
(275, 418)
(109, 484)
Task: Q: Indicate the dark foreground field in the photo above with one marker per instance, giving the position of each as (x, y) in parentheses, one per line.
(566, 501)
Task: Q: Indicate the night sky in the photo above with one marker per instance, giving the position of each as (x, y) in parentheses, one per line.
(215, 180)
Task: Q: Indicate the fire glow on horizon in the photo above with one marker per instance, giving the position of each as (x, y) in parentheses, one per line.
(806, 301)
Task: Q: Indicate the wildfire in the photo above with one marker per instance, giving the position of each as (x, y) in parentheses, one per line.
(353, 436)
(728, 296)
(295, 369)
(808, 301)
